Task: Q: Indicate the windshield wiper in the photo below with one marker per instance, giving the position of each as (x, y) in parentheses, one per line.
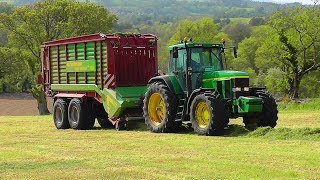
(215, 55)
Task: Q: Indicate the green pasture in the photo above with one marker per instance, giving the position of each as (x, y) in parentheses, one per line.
(31, 148)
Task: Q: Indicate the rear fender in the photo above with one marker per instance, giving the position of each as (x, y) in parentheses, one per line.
(170, 81)
(82, 97)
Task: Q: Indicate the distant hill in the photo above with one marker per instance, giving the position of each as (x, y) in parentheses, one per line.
(181, 8)
(136, 12)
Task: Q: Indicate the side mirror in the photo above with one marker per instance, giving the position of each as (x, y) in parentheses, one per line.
(235, 52)
(175, 52)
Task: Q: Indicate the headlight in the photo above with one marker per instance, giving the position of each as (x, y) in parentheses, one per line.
(236, 89)
(246, 88)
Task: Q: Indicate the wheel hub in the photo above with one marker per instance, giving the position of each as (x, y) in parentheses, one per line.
(156, 109)
(202, 114)
(74, 114)
(58, 114)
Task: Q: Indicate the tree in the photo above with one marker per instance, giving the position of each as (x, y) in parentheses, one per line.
(14, 76)
(32, 25)
(201, 30)
(4, 8)
(310, 85)
(248, 50)
(257, 21)
(275, 81)
(237, 31)
(299, 34)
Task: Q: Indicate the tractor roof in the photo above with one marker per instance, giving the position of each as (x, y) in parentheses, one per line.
(195, 44)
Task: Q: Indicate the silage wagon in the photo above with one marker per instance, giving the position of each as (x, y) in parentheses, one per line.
(98, 76)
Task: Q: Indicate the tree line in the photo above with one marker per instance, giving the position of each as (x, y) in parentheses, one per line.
(279, 50)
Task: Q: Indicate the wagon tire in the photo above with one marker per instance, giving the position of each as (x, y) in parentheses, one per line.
(159, 108)
(78, 115)
(60, 114)
(90, 115)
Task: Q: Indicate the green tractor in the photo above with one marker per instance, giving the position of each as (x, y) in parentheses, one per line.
(199, 91)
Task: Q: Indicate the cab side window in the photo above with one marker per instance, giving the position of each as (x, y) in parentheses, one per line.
(180, 61)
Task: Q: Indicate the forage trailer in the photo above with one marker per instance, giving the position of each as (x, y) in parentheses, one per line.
(98, 76)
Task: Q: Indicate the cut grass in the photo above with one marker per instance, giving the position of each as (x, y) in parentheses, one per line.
(31, 147)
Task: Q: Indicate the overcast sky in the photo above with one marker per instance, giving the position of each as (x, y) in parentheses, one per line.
(291, 1)
(302, 1)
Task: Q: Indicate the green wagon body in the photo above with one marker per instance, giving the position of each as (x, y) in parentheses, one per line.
(105, 68)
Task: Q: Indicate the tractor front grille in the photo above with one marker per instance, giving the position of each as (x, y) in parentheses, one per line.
(240, 87)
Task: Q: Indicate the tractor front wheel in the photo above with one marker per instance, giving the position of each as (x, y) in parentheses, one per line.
(159, 108)
(208, 115)
(268, 116)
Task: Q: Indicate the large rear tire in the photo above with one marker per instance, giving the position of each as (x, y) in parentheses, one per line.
(208, 115)
(159, 108)
(80, 115)
(60, 114)
(268, 116)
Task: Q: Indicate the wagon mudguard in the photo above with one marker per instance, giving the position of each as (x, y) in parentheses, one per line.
(170, 81)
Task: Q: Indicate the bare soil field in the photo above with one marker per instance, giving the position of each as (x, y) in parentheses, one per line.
(19, 104)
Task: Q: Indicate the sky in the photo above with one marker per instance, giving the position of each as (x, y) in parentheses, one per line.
(290, 1)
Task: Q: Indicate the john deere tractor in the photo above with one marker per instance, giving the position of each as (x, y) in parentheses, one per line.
(199, 91)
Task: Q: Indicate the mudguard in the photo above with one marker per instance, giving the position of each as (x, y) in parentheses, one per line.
(170, 81)
(194, 94)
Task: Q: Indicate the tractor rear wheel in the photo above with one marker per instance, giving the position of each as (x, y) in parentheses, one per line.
(159, 108)
(60, 114)
(208, 115)
(80, 115)
(268, 116)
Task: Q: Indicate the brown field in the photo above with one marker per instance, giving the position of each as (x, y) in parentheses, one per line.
(19, 105)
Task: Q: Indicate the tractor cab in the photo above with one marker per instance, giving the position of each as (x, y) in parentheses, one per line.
(203, 57)
(193, 60)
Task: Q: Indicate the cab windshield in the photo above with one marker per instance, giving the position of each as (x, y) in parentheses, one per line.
(202, 58)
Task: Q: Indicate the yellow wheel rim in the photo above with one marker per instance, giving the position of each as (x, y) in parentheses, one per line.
(202, 114)
(156, 109)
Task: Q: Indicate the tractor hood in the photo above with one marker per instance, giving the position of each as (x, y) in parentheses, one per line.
(223, 75)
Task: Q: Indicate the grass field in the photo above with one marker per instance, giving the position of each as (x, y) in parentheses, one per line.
(31, 147)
